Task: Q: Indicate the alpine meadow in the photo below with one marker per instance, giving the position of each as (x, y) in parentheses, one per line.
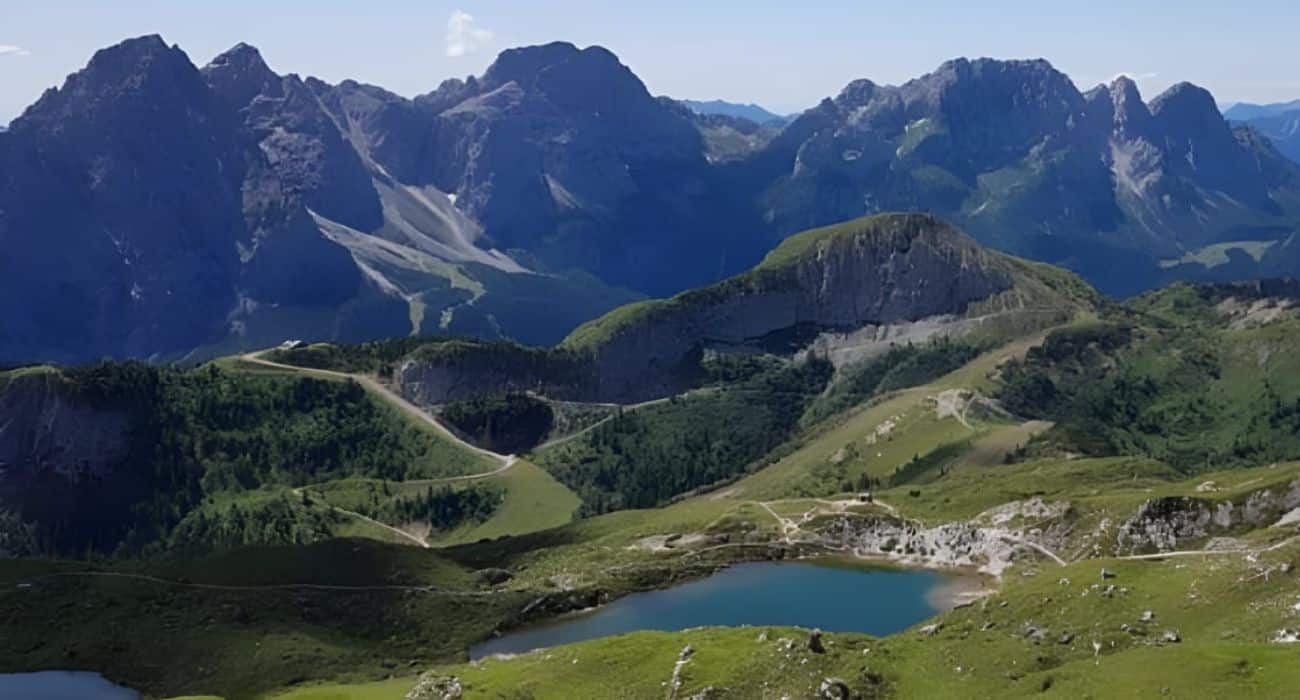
(542, 385)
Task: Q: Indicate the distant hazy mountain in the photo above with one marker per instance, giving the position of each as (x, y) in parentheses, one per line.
(152, 209)
(751, 111)
(1283, 129)
(1280, 122)
(1245, 111)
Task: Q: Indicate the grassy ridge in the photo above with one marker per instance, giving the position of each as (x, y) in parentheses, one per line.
(200, 437)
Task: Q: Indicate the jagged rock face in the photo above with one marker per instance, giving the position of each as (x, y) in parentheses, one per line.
(119, 211)
(139, 214)
(149, 208)
(45, 432)
(1165, 524)
(563, 152)
(302, 144)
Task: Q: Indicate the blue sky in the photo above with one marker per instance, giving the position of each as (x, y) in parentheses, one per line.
(783, 55)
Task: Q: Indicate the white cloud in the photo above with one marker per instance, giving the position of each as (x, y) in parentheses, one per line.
(464, 36)
(7, 50)
(1135, 77)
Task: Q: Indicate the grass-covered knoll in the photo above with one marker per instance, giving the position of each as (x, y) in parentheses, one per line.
(381, 357)
(197, 437)
(425, 506)
(869, 445)
(376, 356)
(521, 500)
(1172, 378)
(644, 457)
(533, 501)
(963, 494)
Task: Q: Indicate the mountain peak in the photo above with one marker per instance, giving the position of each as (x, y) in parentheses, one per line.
(1184, 97)
(140, 45)
(858, 92)
(142, 68)
(1130, 112)
(522, 64)
(1015, 80)
(239, 74)
(1124, 86)
(133, 56)
(242, 55)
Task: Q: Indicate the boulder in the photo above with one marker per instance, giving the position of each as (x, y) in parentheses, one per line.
(433, 686)
(833, 689)
(493, 576)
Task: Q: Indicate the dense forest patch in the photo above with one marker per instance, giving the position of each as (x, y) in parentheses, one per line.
(643, 458)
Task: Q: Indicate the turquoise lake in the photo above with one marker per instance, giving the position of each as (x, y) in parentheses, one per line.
(832, 598)
(62, 685)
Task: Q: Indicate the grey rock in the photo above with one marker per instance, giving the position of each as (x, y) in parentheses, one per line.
(833, 689)
(432, 686)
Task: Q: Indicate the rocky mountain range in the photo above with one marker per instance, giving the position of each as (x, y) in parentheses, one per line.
(152, 208)
(1123, 191)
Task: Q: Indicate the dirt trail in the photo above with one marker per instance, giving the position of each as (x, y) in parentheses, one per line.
(352, 513)
(400, 403)
(411, 410)
(625, 408)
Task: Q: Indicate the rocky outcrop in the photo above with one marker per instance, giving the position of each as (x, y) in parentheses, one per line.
(1166, 524)
(432, 686)
(950, 545)
(881, 270)
(45, 431)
